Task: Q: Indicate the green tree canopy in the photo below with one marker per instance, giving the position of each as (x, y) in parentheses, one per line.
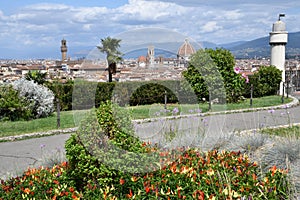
(265, 81)
(37, 77)
(110, 47)
(211, 74)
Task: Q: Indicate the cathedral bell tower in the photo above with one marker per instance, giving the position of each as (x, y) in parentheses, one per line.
(64, 50)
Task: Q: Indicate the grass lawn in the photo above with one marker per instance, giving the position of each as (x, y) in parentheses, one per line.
(147, 111)
(137, 112)
(289, 132)
(38, 125)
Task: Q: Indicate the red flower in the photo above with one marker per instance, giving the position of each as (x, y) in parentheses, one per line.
(130, 194)
(147, 189)
(122, 181)
(71, 189)
(64, 164)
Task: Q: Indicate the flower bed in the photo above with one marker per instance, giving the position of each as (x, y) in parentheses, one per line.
(193, 175)
(41, 183)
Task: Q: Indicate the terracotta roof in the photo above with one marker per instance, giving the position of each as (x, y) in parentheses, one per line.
(142, 59)
(186, 49)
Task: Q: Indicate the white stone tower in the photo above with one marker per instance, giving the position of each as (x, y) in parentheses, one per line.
(278, 40)
(151, 55)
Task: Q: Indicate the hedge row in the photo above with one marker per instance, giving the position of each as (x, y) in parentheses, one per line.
(83, 94)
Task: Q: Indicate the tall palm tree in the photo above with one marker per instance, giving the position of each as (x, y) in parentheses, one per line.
(113, 55)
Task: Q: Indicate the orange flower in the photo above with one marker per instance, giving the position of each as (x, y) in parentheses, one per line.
(27, 191)
(56, 182)
(173, 168)
(122, 181)
(254, 176)
(273, 170)
(64, 164)
(31, 183)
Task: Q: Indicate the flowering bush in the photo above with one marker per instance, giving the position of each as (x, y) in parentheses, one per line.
(40, 97)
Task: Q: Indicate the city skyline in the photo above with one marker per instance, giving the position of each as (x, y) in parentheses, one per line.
(34, 29)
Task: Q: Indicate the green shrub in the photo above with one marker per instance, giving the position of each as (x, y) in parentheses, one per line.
(265, 82)
(62, 91)
(211, 75)
(152, 93)
(84, 94)
(104, 147)
(36, 76)
(12, 106)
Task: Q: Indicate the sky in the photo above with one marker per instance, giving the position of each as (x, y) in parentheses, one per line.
(31, 29)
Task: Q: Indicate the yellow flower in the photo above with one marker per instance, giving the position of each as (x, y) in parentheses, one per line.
(235, 194)
(210, 172)
(225, 191)
(266, 179)
(134, 179)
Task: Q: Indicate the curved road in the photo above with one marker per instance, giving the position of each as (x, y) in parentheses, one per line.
(17, 156)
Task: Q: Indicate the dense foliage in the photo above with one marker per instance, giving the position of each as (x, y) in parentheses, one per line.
(96, 152)
(84, 94)
(40, 97)
(152, 93)
(36, 76)
(265, 82)
(13, 107)
(211, 74)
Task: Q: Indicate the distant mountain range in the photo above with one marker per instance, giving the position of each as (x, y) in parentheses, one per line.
(258, 48)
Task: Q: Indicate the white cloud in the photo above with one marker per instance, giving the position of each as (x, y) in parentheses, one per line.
(85, 15)
(232, 14)
(210, 27)
(213, 21)
(46, 7)
(146, 11)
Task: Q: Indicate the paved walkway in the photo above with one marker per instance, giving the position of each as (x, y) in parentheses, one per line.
(16, 156)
